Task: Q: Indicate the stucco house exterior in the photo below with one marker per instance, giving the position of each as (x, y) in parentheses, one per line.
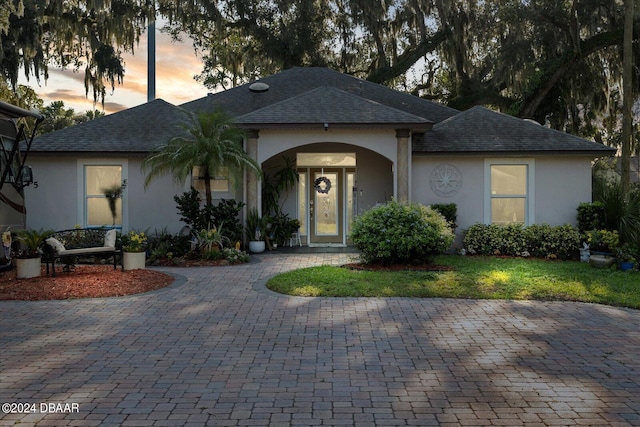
(365, 141)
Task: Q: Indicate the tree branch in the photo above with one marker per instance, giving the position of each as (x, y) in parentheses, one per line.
(558, 69)
(409, 57)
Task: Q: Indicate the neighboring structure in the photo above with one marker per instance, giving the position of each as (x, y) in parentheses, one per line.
(15, 143)
(367, 142)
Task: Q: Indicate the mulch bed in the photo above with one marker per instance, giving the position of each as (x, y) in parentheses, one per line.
(85, 281)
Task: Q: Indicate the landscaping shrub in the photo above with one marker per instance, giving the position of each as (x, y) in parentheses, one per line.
(621, 211)
(189, 206)
(401, 233)
(199, 217)
(449, 211)
(226, 213)
(538, 240)
(493, 239)
(235, 256)
(162, 244)
(545, 241)
(590, 217)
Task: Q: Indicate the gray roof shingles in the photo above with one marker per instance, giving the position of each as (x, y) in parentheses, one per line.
(138, 129)
(295, 81)
(310, 96)
(330, 105)
(480, 130)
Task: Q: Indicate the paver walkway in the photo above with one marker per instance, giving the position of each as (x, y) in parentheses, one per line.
(219, 349)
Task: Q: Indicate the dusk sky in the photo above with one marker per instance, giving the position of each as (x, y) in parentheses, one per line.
(176, 64)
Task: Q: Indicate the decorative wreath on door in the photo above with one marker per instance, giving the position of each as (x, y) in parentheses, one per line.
(318, 185)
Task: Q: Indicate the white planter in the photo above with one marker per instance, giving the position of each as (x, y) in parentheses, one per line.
(27, 268)
(134, 260)
(256, 246)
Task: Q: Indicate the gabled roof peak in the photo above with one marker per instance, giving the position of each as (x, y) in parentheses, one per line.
(295, 81)
(481, 130)
(331, 105)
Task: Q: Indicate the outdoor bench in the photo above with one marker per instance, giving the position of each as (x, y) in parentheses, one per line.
(79, 242)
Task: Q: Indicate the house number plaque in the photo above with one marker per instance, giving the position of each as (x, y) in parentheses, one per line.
(446, 180)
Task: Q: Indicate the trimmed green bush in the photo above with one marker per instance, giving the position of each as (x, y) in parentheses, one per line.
(493, 239)
(449, 211)
(591, 216)
(203, 217)
(399, 233)
(545, 241)
(538, 240)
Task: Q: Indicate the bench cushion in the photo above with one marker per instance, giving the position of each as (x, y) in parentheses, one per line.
(55, 244)
(83, 251)
(110, 238)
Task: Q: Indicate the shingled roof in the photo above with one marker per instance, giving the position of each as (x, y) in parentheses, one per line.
(296, 81)
(303, 97)
(480, 130)
(135, 130)
(331, 106)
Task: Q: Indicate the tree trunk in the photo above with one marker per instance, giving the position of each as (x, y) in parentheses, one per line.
(627, 93)
(207, 187)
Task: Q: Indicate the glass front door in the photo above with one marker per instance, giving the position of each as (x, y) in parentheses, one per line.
(326, 206)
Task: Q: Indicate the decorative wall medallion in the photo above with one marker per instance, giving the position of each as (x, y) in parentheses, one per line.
(446, 180)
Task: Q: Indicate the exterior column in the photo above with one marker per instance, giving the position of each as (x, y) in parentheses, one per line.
(253, 183)
(402, 166)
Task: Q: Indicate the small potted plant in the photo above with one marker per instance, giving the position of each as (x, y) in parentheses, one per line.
(626, 256)
(134, 245)
(255, 231)
(602, 245)
(28, 254)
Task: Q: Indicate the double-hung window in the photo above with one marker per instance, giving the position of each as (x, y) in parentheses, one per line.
(509, 191)
(98, 179)
(219, 182)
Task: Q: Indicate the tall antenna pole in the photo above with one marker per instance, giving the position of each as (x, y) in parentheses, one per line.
(151, 60)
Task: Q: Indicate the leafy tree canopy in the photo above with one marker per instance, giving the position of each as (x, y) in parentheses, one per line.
(542, 59)
(82, 34)
(552, 60)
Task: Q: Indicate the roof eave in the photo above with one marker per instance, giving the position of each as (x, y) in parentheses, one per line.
(414, 127)
(55, 153)
(511, 153)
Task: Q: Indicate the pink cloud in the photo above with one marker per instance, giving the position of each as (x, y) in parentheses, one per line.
(176, 65)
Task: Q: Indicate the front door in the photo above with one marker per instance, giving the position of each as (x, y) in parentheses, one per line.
(326, 206)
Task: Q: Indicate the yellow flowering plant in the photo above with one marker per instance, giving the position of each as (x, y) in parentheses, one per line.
(212, 239)
(134, 242)
(603, 240)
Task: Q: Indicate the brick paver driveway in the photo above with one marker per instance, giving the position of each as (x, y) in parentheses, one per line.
(218, 349)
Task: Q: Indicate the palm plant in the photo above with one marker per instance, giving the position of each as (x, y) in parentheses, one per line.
(284, 179)
(622, 211)
(31, 241)
(213, 143)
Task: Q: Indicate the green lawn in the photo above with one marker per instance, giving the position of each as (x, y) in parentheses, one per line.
(472, 277)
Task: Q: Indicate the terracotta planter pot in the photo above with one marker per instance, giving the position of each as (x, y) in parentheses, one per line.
(134, 260)
(28, 267)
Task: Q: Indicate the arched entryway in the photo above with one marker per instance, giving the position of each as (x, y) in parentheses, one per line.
(336, 183)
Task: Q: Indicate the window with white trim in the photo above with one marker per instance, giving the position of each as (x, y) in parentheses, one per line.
(509, 191)
(98, 179)
(219, 182)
